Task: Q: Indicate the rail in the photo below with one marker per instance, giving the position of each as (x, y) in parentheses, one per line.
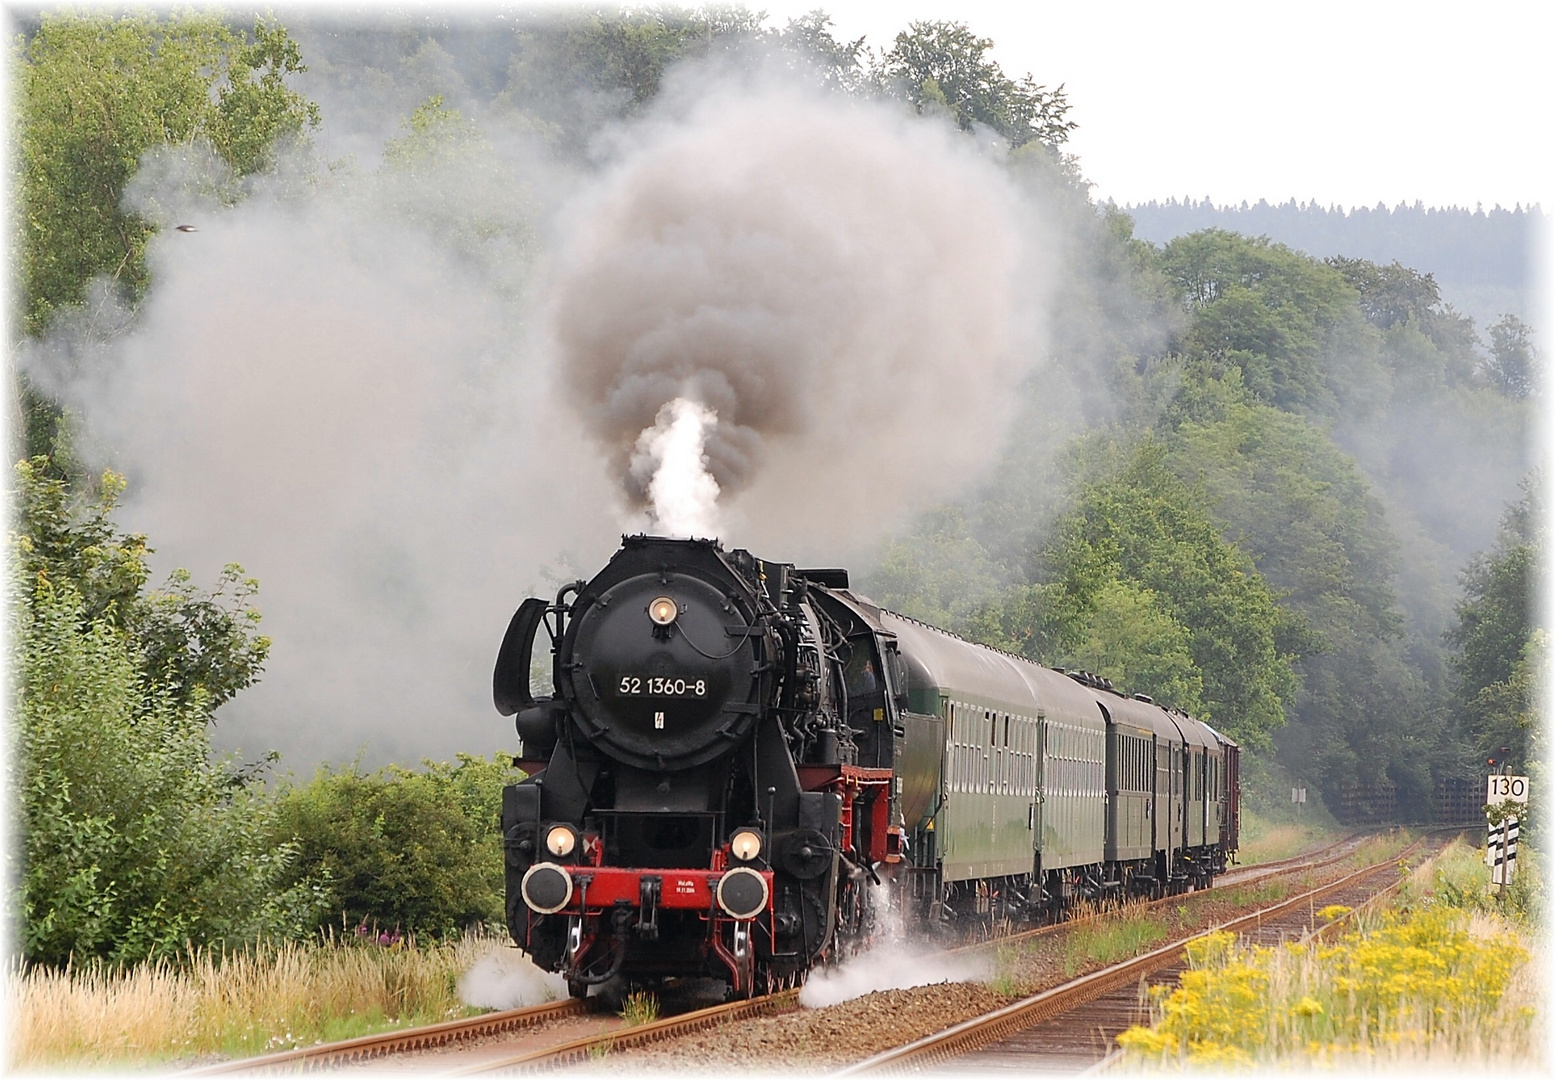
(427, 1037)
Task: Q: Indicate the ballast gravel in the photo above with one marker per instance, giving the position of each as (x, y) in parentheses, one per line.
(816, 1040)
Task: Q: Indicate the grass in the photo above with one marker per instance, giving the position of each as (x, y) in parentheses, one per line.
(639, 1007)
(1262, 840)
(234, 1005)
(1441, 978)
(1458, 878)
(1256, 894)
(1110, 940)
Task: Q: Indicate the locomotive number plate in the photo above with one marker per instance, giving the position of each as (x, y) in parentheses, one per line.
(660, 686)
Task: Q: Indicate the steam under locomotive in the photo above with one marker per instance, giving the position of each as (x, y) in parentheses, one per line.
(741, 761)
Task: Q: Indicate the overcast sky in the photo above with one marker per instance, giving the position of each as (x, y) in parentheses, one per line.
(1342, 102)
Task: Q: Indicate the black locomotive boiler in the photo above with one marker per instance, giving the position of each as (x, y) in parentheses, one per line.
(739, 760)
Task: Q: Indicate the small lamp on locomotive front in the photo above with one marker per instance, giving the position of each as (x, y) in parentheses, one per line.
(663, 611)
(560, 840)
(745, 845)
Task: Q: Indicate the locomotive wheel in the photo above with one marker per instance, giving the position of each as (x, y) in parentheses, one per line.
(577, 988)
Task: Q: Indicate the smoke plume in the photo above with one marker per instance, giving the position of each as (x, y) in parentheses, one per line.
(329, 385)
(836, 288)
(405, 396)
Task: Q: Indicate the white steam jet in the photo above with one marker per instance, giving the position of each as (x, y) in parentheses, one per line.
(671, 456)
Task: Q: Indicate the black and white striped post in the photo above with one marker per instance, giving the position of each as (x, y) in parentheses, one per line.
(1501, 846)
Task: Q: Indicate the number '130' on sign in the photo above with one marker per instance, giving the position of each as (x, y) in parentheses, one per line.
(1507, 789)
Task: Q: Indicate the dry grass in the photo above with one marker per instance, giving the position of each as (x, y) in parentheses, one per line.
(1264, 841)
(214, 1006)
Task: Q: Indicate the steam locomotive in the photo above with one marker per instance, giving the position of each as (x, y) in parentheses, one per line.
(739, 763)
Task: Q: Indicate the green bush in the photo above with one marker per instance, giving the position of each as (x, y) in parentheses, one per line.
(413, 851)
(134, 842)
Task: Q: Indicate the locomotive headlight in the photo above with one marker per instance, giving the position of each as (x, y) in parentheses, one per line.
(663, 611)
(745, 845)
(546, 888)
(742, 893)
(561, 840)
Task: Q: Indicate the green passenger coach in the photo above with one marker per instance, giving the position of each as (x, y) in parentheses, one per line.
(1023, 786)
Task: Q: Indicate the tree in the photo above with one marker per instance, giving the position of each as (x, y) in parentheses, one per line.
(944, 64)
(941, 574)
(1127, 634)
(1404, 303)
(1495, 664)
(1140, 548)
(1514, 358)
(838, 63)
(578, 73)
(1289, 323)
(190, 645)
(96, 91)
(1506, 713)
(1364, 720)
(1392, 294)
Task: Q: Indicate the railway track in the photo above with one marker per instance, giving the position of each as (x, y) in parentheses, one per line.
(1320, 856)
(588, 1030)
(579, 1051)
(410, 1040)
(1070, 1028)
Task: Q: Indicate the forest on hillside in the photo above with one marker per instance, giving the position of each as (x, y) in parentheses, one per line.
(1294, 495)
(1483, 260)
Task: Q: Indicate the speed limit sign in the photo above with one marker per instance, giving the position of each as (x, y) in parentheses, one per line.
(1507, 789)
(1501, 843)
